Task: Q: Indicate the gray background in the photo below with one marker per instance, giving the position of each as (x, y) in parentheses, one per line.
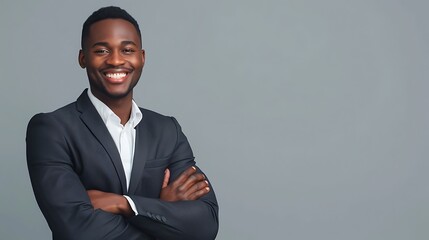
(310, 117)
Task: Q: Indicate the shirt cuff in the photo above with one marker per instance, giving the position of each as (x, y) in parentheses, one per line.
(133, 206)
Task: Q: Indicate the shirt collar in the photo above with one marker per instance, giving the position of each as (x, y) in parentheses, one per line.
(107, 114)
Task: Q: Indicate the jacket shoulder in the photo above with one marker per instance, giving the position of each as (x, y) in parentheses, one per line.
(58, 114)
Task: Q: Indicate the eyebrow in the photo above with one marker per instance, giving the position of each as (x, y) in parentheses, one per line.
(106, 44)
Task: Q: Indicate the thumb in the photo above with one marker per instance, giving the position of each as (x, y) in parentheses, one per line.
(166, 178)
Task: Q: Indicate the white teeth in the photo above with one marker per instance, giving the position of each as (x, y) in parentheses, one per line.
(116, 75)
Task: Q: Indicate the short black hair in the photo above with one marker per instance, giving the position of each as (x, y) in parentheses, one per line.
(106, 13)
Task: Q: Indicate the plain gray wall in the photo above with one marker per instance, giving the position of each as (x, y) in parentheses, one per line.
(310, 117)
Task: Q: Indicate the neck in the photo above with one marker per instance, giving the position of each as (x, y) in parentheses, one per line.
(120, 106)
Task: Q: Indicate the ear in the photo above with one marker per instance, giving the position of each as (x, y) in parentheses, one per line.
(81, 59)
(143, 56)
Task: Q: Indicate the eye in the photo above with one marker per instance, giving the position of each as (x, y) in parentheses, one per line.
(128, 51)
(101, 51)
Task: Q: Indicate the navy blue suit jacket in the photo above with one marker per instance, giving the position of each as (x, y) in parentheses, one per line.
(70, 151)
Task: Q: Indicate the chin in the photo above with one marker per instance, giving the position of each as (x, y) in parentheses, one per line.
(118, 95)
(117, 91)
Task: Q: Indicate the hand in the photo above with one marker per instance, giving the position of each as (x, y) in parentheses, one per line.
(110, 202)
(190, 185)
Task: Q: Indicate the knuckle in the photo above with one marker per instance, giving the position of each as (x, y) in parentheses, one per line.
(181, 188)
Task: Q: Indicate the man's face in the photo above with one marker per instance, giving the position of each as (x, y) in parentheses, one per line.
(113, 58)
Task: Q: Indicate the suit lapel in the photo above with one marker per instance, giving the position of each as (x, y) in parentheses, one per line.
(93, 121)
(140, 156)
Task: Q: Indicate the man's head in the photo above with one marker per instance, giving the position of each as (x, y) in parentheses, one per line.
(111, 12)
(111, 53)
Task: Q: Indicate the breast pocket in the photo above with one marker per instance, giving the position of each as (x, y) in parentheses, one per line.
(153, 176)
(158, 162)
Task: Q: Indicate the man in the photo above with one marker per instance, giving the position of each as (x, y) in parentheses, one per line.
(103, 168)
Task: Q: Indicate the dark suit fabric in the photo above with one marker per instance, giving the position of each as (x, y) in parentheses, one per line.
(70, 151)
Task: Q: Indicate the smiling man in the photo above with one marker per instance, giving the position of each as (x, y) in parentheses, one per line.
(103, 168)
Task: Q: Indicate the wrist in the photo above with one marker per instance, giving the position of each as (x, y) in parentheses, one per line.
(125, 208)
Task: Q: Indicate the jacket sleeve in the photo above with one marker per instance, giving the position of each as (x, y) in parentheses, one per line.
(183, 219)
(59, 192)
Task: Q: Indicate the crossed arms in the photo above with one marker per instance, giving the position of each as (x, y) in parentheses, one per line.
(189, 186)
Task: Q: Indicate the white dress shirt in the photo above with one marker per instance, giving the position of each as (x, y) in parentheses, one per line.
(124, 136)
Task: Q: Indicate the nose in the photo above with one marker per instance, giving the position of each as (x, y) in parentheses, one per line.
(115, 59)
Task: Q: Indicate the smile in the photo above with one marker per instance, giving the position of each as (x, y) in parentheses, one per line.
(116, 75)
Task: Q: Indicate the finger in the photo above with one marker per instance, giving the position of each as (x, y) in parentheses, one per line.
(200, 193)
(166, 178)
(185, 175)
(197, 187)
(192, 180)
